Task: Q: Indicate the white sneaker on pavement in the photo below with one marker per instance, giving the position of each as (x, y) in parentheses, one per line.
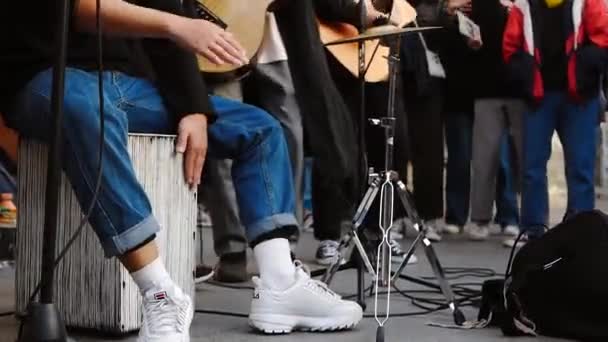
(509, 243)
(478, 232)
(432, 233)
(327, 252)
(308, 305)
(167, 314)
(398, 254)
(511, 230)
(451, 229)
(495, 229)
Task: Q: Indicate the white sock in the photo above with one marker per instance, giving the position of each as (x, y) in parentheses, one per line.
(152, 275)
(274, 262)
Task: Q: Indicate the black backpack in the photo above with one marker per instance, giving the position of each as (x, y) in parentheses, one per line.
(558, 284)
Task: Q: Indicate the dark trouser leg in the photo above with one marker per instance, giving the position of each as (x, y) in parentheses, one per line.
(458, 131)
(426, 142)
(576, 128)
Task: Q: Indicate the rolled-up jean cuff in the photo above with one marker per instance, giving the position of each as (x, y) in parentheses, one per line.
(269, 224)
(131, 238)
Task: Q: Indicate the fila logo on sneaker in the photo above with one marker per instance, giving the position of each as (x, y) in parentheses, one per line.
(160, 295)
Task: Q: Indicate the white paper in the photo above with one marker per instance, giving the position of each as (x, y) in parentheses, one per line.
(467, 27)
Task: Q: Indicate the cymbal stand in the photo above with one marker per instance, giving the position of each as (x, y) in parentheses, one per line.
(386, 182)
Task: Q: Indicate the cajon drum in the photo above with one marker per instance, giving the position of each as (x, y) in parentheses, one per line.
(93, 292)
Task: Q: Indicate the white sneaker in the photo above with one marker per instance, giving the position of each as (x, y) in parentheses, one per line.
(432, 234)
(511, 230)
(509, 243)
(308, 305)
(327, 252)
(478, 232)
(495, 229)
(398, 254)
(451, 229)
(168, 314)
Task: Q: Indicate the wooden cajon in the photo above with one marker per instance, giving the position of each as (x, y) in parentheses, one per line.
(93, 292)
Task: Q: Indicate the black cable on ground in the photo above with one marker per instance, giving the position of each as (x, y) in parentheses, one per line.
(434, 302)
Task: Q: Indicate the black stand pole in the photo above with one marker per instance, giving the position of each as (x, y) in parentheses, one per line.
(362, 148)
(43, 322)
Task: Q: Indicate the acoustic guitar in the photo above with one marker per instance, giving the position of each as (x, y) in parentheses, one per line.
(401, 14)
(246, 20)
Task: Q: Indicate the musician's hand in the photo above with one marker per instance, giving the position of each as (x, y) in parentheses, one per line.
(453, 5)
(372, 13)
(508, 4)
(209, 40)
(192, 142)
(474, 44)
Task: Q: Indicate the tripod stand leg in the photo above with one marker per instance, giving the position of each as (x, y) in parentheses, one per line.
(352, 237)
(446, 289)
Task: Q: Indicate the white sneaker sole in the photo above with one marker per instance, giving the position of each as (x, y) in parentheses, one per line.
(272, 324)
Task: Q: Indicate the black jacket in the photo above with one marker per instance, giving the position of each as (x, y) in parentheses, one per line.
(327, 120)
(27, 40)
(490, 74)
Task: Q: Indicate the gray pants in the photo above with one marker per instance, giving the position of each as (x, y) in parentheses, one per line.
(492, 117)
(269, 86)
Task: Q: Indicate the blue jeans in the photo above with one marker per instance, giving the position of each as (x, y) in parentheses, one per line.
(122, 218)
(575, 124)
(459, 141)
(507, 212)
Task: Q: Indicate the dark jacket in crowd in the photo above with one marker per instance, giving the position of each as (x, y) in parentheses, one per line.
(490, 74)
(327, 120)
(459, 63)
(534, 38)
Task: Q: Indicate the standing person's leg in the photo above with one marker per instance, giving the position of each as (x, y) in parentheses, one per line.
(427, 157)
(330, 215)
(459, 136)
(576, 128)
(507, 212)
(287, 298)
(488, 132)
(270, 87)
(217, 194)
(122, 217)
(539, 125)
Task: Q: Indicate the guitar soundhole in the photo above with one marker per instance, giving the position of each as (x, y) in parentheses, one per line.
(206, 14)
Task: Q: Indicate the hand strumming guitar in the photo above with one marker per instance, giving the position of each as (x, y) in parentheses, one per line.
(374, 17)
(208, 40)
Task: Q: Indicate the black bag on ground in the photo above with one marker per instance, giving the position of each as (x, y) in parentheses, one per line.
(558, 285)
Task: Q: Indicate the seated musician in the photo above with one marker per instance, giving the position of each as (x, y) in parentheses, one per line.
(286, 298)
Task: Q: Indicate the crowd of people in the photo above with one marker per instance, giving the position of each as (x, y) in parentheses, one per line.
(483, 112)
(491, 102)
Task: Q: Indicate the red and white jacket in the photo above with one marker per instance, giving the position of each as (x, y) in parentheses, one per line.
(585, 48)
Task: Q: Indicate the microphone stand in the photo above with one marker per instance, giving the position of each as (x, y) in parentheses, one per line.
(43, 323)
(362, 149)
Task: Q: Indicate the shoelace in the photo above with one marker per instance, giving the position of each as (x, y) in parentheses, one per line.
(396, 247)
(329, 248)
(166, 318)
(316, 285)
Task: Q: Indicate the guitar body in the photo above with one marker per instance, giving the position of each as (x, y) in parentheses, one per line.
(246, 20)
(402, 13)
